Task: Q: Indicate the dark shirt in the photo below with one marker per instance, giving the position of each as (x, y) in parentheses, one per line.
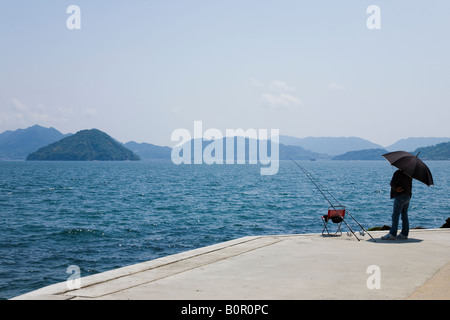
(401, 179)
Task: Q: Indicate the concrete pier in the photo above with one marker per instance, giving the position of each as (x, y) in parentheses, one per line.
(305, 266)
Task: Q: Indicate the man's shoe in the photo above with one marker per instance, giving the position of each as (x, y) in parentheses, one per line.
(388, 237)
(402, 237)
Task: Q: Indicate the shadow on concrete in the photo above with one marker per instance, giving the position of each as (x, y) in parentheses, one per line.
(409, 240)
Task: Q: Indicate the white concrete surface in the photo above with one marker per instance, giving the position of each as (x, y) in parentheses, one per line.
(309, 266)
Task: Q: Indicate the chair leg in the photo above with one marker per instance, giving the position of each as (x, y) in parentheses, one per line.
(339, 228)
(324, 226)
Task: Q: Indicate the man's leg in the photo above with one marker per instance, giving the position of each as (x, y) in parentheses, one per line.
(405, 220)
(395, 216)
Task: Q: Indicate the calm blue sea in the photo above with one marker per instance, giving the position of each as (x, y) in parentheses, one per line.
(104, 215)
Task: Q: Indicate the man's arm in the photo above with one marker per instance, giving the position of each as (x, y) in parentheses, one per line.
(396, 181)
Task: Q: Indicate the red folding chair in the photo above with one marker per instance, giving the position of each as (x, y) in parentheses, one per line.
(336, 215)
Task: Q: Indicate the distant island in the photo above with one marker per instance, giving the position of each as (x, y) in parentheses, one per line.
(85, 145)
(332, 146)
(440, 151)
(369, 154)
(148, 150)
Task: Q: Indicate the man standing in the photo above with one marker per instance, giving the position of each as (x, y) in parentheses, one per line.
(401, 191)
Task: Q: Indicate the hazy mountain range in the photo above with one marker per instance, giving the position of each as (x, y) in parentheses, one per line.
(411, 144)
(329, 145)
(17, 145)
(340, 145)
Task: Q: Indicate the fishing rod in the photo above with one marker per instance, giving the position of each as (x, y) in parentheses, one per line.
(362, 228)
(320, 187)
(316, 184)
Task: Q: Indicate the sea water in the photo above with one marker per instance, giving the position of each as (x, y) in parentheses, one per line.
(105, 215)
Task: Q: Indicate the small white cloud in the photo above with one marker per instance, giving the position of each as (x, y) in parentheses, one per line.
(17, 114)
(65, 111)
(256, 83)
(279, 101)
(19, 105)
(41, 107)
(336, 86)
(90, 112)
(280, 86)
(36, 117)
(175, 110)
(280, 96)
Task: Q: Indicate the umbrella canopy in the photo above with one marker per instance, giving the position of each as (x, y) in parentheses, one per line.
(411, 165)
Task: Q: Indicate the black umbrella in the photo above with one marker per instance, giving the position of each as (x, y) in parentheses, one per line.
(411, 165)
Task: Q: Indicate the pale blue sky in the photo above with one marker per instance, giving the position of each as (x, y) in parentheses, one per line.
(140, 69)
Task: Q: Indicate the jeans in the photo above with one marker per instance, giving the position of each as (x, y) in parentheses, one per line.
(401, 204)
